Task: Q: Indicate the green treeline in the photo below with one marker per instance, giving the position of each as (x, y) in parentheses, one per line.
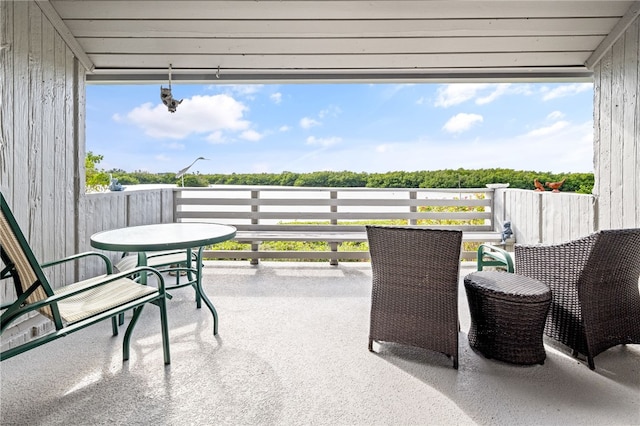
(449, 178)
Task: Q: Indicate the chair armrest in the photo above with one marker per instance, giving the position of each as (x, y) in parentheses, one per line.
(497, 256)
(106, 260)
(549, 262)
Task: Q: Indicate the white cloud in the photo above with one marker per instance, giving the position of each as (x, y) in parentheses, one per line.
(216, 137)
(284, 128)
(251, 135)
(483, 93)
(555, 115)
(454, 94)
(499, 90)
(244, 89)
(307, 123)
(331, 111)
(196, 115)
(312, 140)
(549, 130)
(461, 122)
(566, 90)
(276, 97)
(174, 146)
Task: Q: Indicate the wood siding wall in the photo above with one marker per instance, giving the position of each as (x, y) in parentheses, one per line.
(117, 210)
(617, 133)
(545, 217)
(42, 97)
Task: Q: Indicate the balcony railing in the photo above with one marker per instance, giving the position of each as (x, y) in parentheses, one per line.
(535, 217)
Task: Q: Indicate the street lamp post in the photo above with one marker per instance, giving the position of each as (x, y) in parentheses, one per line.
(182, 172)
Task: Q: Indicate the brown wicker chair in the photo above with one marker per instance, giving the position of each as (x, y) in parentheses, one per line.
(414, 299)
(594, 285)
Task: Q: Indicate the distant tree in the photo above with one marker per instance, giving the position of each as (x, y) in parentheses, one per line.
(288, 178)
(97, 180)
(193, 180)
(447, 178)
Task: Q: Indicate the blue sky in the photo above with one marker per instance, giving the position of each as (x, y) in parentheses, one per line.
(356, 127)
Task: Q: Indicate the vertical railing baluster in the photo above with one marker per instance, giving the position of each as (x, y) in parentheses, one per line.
(255, 207)
(333, 246)
(334, 208)
(413, 195)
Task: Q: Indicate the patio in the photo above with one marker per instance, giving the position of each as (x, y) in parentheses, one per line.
(292, 349)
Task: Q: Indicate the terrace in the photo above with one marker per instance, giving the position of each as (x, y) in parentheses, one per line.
(292, 343)
(292, 349)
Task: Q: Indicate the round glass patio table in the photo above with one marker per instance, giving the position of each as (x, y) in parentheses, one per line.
(168, 236)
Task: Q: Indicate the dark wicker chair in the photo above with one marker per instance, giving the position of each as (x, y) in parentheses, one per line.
(414, 299)
(594, 285)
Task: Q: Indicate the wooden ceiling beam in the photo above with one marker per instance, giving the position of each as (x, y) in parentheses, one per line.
(66, 34)
(235, 76)
(340, 9)
(617, 32)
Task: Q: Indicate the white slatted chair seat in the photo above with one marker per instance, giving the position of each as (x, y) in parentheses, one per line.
(99, 299)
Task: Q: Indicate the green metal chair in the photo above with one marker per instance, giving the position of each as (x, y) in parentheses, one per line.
(490, 255)
(75, 306)
(176, 262)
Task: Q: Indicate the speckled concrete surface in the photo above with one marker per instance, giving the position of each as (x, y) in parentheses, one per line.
(292, 350)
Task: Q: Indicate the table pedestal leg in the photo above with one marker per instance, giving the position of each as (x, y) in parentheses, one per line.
(201, 295)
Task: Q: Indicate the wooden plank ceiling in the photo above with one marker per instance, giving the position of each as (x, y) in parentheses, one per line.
(356, 40)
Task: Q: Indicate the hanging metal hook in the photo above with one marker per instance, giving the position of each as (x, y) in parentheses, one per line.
(218, 72)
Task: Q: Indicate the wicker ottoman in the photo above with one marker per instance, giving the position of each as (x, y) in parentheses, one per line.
(508, 313)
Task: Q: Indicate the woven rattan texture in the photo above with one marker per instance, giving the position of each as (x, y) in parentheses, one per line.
(414, 299)
(508, 313)
(594, 285)
(511, 287)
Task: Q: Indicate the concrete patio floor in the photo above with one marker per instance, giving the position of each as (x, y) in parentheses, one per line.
(292, 350)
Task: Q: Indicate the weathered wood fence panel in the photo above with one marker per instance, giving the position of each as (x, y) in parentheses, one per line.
(111, 210)
(546, 217)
